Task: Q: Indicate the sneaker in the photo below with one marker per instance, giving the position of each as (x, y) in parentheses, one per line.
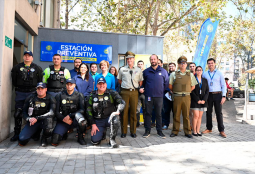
(146, 134)
(232, 98)
(227, 98)
(165, 127)
(161, 135)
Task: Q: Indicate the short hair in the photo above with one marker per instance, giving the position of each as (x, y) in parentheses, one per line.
(78, 59)
(154, 55)
(172, 63)
(192, 63)
(116, 72)
(199, 67)
(104, 61)
(140, 61)
(161, 60)
(57, 55)
(211, 59)
(92, 64)
(226, 78)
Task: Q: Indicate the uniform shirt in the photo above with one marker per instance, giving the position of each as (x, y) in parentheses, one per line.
(73, 73)
(125, 76)
(218, 81)
(109, 78)
(93, 76)
(155, 82)
(173, 77)
(46, 74)
(83, 86)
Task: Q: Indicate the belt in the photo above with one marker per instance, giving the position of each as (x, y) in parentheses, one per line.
(217, 92)
(181, 95)
(55, 90)
(128, 89)
(25, 90)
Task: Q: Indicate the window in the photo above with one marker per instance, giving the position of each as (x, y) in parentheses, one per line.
(227, 63)
(227, 68)
(31, 2)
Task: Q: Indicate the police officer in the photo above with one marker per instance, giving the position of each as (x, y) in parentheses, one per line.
(38, 111)
(130, 77)
(25, 77)
(55, 76)
(101, 113)
(69, 112)
(181, 82)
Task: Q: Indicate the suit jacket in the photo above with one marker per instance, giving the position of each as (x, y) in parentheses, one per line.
(196, 96)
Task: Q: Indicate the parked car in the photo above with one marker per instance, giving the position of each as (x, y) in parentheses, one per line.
(238, 92)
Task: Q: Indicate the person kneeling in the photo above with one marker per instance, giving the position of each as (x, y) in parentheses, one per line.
(69, 112)
(101, 113)
(38, 111)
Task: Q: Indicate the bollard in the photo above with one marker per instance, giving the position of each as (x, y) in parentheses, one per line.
(251, 117)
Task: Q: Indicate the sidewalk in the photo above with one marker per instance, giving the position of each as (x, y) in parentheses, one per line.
(207, 154)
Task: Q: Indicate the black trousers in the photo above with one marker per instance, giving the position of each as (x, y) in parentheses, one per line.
(214, 100)
(156, 103)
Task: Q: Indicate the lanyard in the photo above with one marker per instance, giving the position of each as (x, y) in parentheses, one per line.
(200, 84)
(210, 74)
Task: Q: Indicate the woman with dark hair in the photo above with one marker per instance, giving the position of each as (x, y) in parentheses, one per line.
(84, 81)
(114, 72)
(199, 98)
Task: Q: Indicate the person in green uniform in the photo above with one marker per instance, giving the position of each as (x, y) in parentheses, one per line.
(55, 76)
(181, 82)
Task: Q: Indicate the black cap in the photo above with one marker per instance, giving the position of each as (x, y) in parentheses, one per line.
(41, 85)
(101, 80)
(182, 59)
(28, 52)
(70, 81)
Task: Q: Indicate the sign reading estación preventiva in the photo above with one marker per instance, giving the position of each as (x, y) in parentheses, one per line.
(89, 53)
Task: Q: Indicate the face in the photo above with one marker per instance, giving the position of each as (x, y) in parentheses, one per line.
(199, 71)
(182, 65)
(192, 67)
(41, 91)
(112, 71)
(77, 63)
(172, 68)
(104, 67)
(101, 86)
(159, 63)
(211, 64)
(140, 65)
(154, 60)
(27, 58)
(130, 61)
(93, 68)
(70, 86)
(56, 60)
(83, 69)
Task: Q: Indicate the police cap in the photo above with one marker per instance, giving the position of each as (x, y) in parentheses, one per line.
(101, 80)
(28, 52)
(129, 54)
(41, 85)
(182, 59)
(70, 80)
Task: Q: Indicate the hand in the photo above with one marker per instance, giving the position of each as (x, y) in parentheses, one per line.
(94, 129)
(223, 100)
(202, 102)
(68, 120)
(32, 121)
(141, 90)
(199, 102)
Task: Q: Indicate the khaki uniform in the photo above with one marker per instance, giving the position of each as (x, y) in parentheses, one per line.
(182, 83)
(129, 94)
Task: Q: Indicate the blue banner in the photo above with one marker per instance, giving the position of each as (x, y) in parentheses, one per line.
(205, 40)
(89, 53)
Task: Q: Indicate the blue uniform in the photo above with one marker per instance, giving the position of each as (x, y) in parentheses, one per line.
(83, 86)
(73, 73)
(110, 81)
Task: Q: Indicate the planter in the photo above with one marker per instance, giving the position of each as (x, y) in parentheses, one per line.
(251, 97)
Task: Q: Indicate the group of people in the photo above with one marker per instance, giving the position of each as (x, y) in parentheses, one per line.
(56, 100)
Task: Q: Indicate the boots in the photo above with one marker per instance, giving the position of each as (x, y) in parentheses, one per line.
(81, 139)
(17, 129)
(114, 126)
(44, 142)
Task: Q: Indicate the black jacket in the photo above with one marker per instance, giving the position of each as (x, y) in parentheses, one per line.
(195, 96)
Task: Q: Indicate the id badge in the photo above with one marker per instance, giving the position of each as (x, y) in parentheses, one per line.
(200, 92)
(211, 83)
(149, 98)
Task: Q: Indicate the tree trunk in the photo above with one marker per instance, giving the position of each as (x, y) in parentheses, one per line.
(155, 24)
(148, 17)
(66, 14)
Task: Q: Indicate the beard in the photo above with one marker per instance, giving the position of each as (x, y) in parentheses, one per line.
(153, 64)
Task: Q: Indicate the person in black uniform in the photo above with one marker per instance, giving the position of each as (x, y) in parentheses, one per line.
(25, 77)
(101, 113)
(38, 111)
(69, 112)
